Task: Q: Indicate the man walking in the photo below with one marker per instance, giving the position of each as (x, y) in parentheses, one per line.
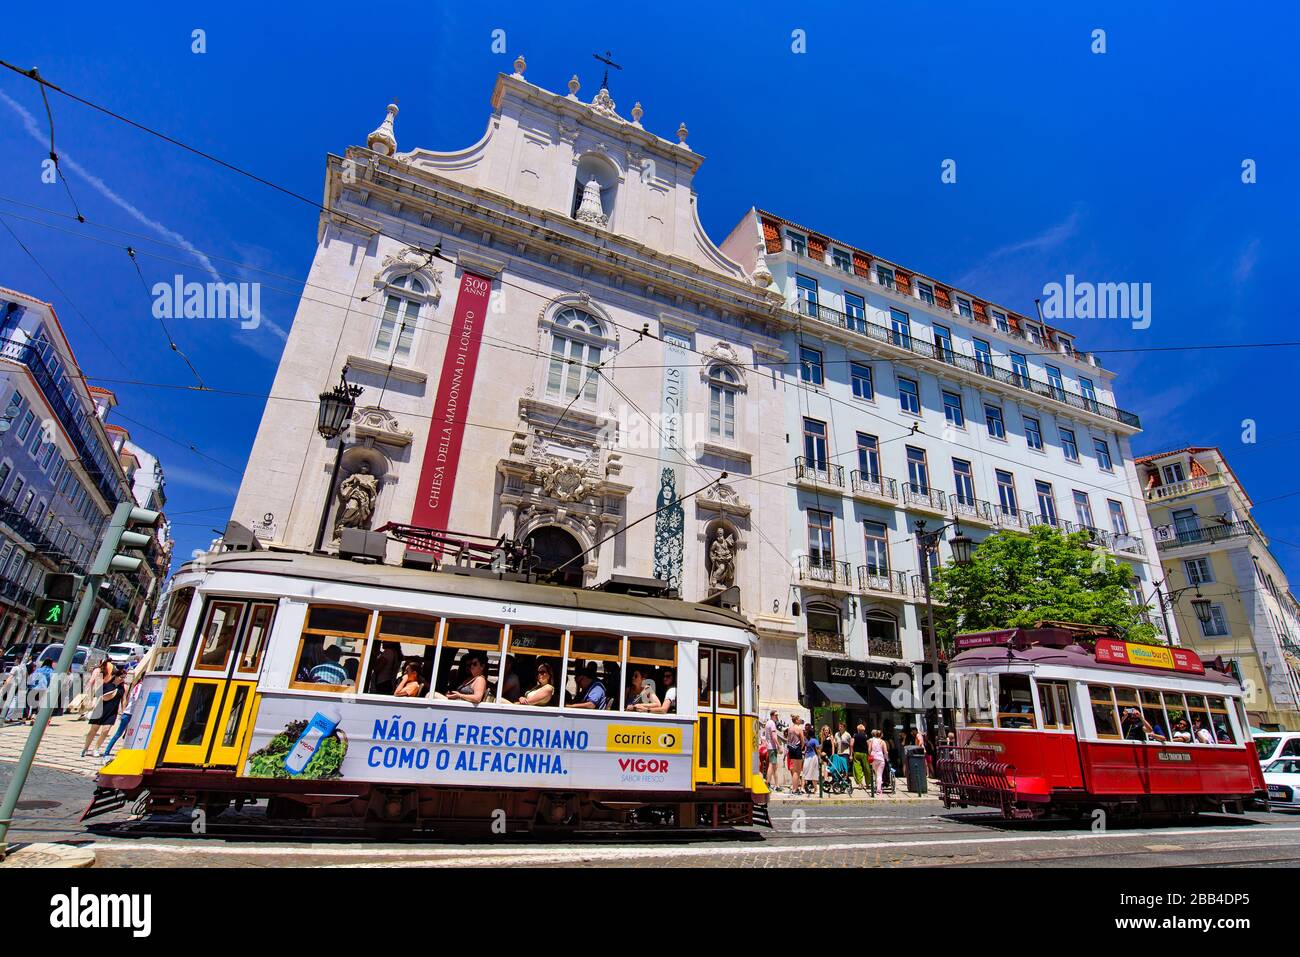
(775, 751)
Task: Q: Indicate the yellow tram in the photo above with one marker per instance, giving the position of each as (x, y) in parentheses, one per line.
(331, 688)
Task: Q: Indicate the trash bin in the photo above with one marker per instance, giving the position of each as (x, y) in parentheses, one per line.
(914, 760)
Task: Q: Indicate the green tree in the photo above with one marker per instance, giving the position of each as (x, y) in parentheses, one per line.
(1015, 580)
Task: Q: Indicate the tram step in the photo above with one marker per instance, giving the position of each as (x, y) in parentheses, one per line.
(761, 816)
(104, 801)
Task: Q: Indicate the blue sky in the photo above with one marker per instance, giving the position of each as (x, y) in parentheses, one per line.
(1124, 166)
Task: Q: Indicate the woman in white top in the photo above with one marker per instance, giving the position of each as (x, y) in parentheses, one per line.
(667, 704)
(877, 749)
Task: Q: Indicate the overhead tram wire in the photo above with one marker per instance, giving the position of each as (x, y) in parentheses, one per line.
(167, 332)
(54, 156)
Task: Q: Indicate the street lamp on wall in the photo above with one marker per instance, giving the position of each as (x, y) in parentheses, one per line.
(332, 419)
(1201, 606)
(961, 555)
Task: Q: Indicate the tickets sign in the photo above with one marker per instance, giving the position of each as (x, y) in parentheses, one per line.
(1111, 651)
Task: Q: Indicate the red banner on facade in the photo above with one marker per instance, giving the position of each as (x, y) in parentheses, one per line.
(451, 405)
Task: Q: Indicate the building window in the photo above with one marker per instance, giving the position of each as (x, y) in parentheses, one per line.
(814, 444)
(798, 244)
(993, 419)
(984, 357)
(1033, 433)
(964, 309)
(964, 480)
(28, 418)
(5, 469)
(1172, 473)
(952, 410)
(925, 292)
(900, 325)
(577, 338)
(1067, 345)
(1089, 394)
(882, 636)
(943, 343)
(1056, 382)
(869, 457)
(1103, 455)
(842, 260)
(396, 332)
(877, 548)
(1217, 626)
(723, 386)
(805, 290)
(1007, 493)
(1000, 321)
(1020, 366)
(855, 312)
(824, 627)
(1199, 571)
(909, 396)
(918, 470)
(860, 375)
(810, 365)
(1069, 445)
(1046, 503)
(885, 276)
(1118, 523)
(1083, 509)
(821, 537)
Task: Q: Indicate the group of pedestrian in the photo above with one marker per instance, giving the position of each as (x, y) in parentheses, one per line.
(113, 692)
(807, 754)
(23, 689)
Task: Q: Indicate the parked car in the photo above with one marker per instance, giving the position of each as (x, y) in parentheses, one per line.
(16, 651)
(1283, 779)
(83, 659)
(128, 652)
(1277, 744)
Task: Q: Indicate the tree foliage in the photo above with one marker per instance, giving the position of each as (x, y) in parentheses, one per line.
(1016, 580)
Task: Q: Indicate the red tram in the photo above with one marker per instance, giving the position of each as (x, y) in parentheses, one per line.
(1052, 722)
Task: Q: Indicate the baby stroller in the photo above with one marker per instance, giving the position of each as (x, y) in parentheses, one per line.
(837, 779)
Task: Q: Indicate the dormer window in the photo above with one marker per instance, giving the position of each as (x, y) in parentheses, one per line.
(884, 276)
(1033, 334)
(798, 244)
(964, 308)
(1066, 345)
(925, 292)
(842, 260)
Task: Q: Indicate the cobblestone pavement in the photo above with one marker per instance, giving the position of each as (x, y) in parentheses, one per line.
(60, 747)
(804, 834)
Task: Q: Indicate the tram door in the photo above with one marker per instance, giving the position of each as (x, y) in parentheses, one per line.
(216, 696)
(717, 728)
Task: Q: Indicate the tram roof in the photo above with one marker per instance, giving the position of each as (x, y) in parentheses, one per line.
(1075, 656)
(328, 568)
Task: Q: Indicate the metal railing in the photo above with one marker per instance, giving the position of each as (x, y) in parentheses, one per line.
(871, 578)
(33, 534)
(1014, 518)
(16, 594)
(924, 496)
(910, 342)
(1129, 544)
(873, 485)
(1096, 536)
(826, 571)
(974, 509)
(885, 648)
(831, 641)
(823, 472)
(1170, 536)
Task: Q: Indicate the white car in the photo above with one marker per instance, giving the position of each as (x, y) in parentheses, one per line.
(1277, 744)
(126, 652)
(1283, 779)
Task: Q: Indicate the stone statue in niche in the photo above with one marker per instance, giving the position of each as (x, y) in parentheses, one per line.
(590, 210)
(722, 561)
(357, 495)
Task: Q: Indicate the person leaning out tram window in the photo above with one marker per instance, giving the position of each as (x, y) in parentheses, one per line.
(541, 693)
(1138, 728)
(474, 687)
(410, 686)
(641, 692)
(1182, 732)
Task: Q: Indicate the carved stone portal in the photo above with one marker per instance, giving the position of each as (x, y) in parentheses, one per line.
(564, 481)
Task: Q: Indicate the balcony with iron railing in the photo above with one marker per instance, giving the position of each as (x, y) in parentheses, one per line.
(924, 498)
(973, 510)
(891, 648)
(918, 589)
(825, 571)
(1170, 536)
(16, 594)
(873, 487)
(1096, 536)
(876, 581)
(1014, 519)
(815, 473)
(986, 368)
(33, 534)
(831, 641)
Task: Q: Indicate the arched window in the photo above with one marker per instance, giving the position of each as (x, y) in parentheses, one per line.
(396, 332)
(824, 632)
(724, 384)
(577, 340)
(882, 636)
(553, 547)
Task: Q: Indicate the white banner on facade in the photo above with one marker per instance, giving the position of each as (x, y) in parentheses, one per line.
(318, 739)
(670, 522)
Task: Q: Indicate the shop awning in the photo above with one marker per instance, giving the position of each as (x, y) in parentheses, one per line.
(895, 699)
(837, 693)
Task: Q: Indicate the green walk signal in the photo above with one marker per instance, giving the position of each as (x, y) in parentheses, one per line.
(52, 613)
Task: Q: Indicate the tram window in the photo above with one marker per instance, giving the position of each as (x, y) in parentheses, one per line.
(656, 659)
(706, 681)
(1154, 712)
(259, 628)
(331, 650)
(1047, 703)
(402, 640)
(195, 722)
(236, 713)
(729, 680)
(1103, 710)
(218, 636)
(169, 634)
(1200, 718)
(464, 642)
(1219, 719)
(594, 677)
(1063, 706)
(1180, 728)
(536, 654)
(1015, 702)
(978, 709)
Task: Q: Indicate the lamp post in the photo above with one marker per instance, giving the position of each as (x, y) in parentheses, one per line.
(1167, 599)
(961, 555)
(332, 419)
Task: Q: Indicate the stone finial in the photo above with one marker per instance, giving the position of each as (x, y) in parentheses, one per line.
(682, 133)
(762, 275)
(383, 139)
(520, 66)
(637, 113)
(574, 86)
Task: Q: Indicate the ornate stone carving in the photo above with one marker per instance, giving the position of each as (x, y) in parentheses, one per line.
(637, 113)
(762, 275)
(357, 495)
(383, 139)
(574, 86)
(589, 210)
(373, 422)
(722, 560)
(724, 498)
(412, 260)
(564, 481)
(604, 104)
(724, 352)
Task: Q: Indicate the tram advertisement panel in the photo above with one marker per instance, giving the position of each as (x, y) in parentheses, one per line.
(314, 739)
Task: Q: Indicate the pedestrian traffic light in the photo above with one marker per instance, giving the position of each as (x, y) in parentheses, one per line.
(52, 613)
(62, 585)
(120, 536)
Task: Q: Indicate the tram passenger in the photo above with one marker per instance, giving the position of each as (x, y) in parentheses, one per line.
(591, 691)
(543, 690)
(641, 693)
(668, 703)
(1136, 727)
(410, 686)
(1182, 733)
(509, 682)
(330, 671)
(1203, 735)
(474, 688)
(383, 673)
